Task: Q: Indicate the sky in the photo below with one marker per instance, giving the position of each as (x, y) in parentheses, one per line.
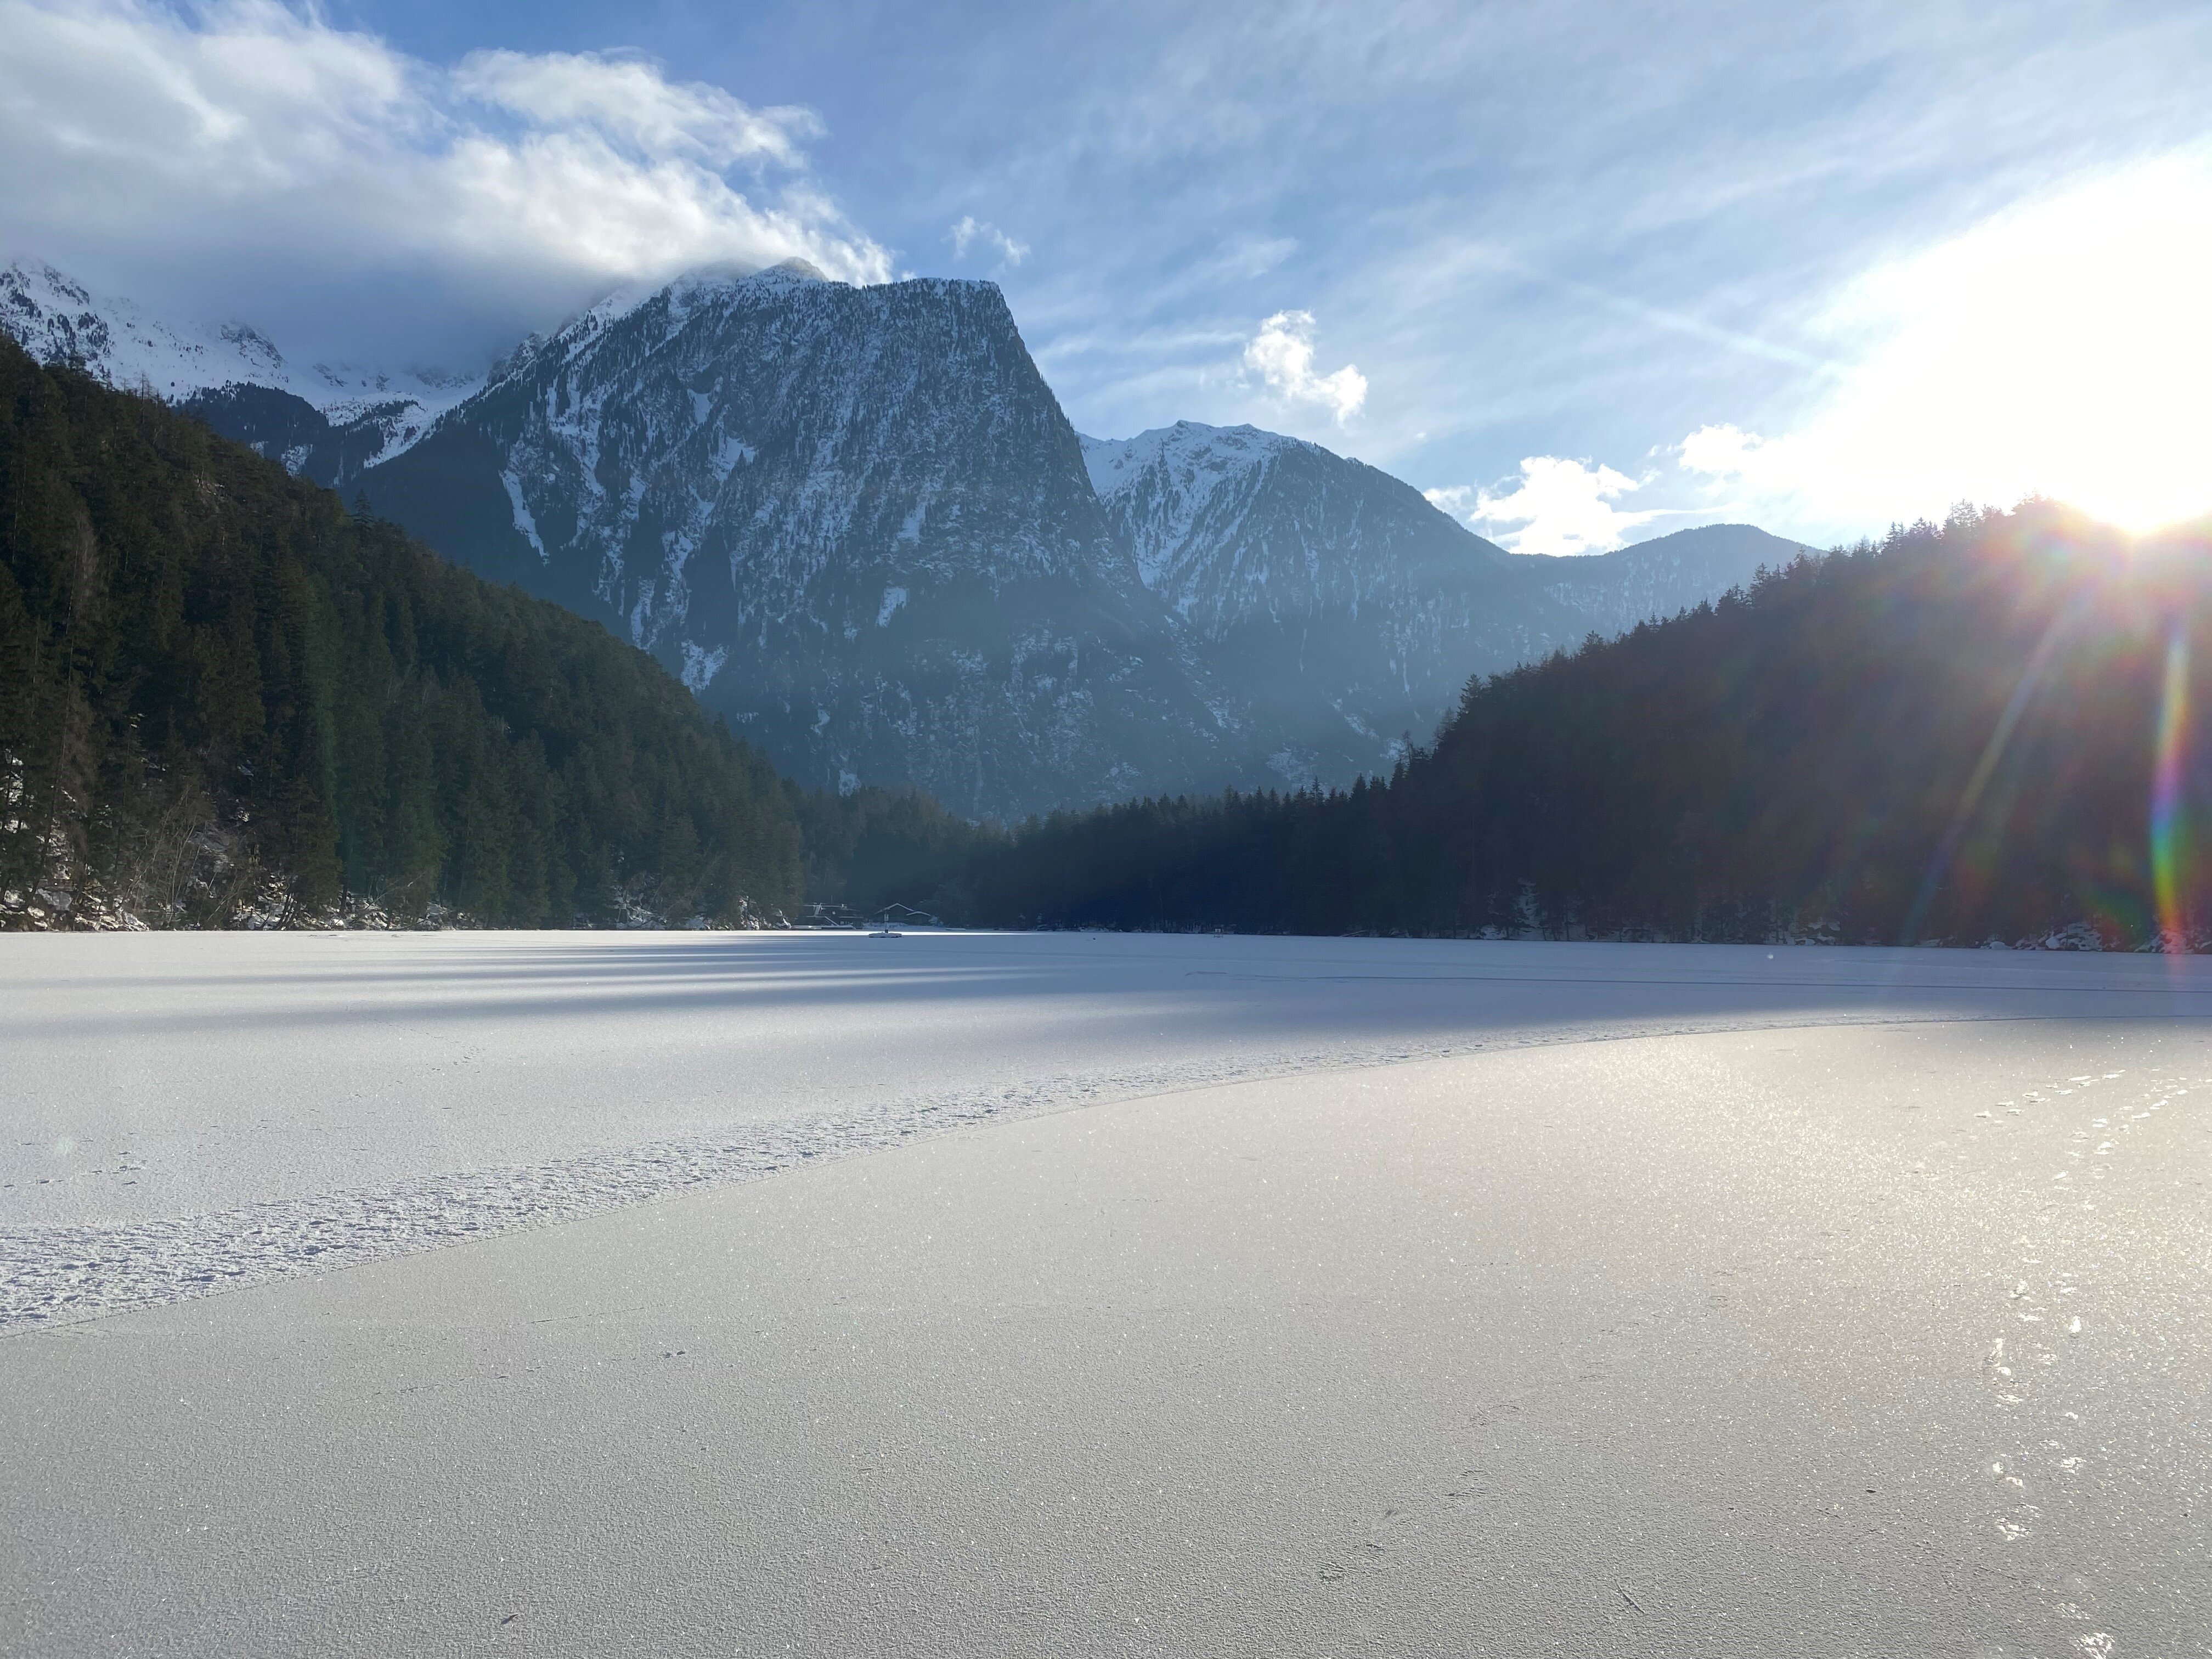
(1584, 272)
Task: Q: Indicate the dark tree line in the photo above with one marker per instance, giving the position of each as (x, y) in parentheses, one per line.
(222, 697)
(874, 846)
(1951, 735)
(220, 693)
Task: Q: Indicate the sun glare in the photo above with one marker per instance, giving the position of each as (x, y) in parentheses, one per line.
(2064, 348)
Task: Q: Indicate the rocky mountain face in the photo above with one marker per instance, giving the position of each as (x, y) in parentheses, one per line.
(333, 449)
(326, 420)
(854, 520)
(857, 523)
(1342, 610)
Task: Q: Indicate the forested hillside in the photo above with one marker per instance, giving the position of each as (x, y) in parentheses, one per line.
(226, 700)
(222, 698)
(1956, 735)
(869, 848)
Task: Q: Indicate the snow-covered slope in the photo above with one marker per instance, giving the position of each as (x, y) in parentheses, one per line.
(1339, 609)
(326, 420)
(57, 320)
(1179, 491)
(854, 520)
(1229, 524)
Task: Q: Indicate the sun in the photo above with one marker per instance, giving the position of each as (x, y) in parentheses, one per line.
(2062, 349)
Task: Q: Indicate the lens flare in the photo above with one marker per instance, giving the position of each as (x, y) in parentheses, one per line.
(2168, 823)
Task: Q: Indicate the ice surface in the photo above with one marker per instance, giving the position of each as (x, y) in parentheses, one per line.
(185, 1111)
(1581, 1342)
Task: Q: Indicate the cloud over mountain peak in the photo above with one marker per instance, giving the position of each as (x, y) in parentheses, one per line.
(251, 138)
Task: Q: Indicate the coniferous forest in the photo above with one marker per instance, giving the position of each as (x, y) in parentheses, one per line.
(1989, 730)
(225, 699)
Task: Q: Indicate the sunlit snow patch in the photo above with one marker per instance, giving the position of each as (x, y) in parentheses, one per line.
(700, 666)
(526, 525)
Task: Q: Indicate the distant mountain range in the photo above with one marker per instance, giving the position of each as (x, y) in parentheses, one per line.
(326, 420)
(857, 523)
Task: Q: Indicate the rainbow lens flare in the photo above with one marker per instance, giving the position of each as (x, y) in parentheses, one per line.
(2168, 821)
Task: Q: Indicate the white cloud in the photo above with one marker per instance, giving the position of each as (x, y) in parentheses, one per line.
(2060, 348)
(1720, 451)
(247, 137)
(627, 99)
(971, 230)
(1561, 504)
(1282, 355)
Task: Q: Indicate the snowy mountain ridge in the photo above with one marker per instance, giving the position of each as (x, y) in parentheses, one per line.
(1339, 606)
(57, 320)
(1167, 480)
(326, 421)
(1228, 524)
(856, 522)
(679, 294)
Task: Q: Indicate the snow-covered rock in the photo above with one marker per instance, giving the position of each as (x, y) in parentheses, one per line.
(853, 518)
(325, 420)
(1338, 609)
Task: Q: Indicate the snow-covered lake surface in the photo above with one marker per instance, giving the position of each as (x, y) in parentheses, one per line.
(1276, 1296)
(189, 1111)
(156, 1076)
(185, 1112)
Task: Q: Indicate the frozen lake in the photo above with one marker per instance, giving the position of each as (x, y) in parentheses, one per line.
(1270, 1295)
(155, 1076)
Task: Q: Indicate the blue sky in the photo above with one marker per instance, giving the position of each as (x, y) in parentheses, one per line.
(1586, 272)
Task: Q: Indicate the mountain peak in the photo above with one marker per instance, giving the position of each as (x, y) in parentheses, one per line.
(689, 287)
(796, 269)
(1201, 457)
(57, 320)
(852, 517)
(728, 273)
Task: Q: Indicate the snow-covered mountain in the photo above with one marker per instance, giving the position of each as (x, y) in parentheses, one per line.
(855, 519)
(326, 420)
(856, 522)
(1229, 524)
(1341, 610)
